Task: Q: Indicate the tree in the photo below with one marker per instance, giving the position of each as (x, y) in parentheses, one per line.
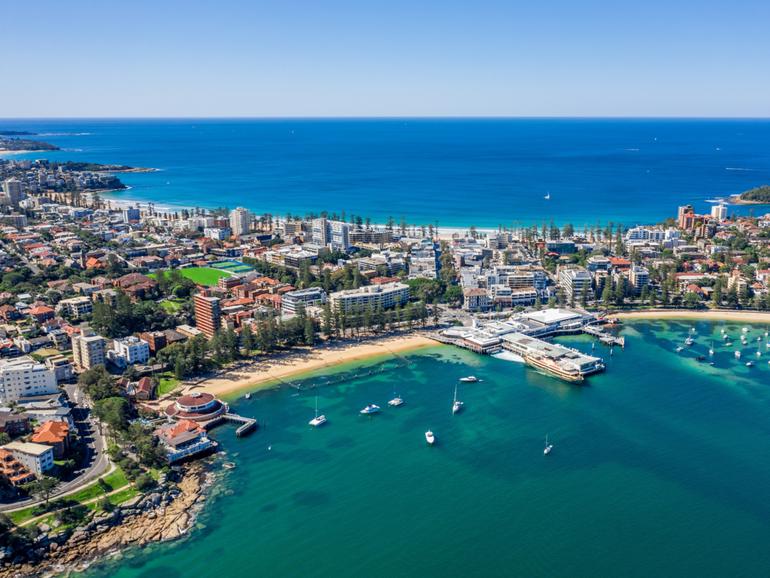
(113, 411)
(309, 332)
(247, 339)
(42, 488)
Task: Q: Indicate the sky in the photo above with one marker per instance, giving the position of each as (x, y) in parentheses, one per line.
(278, 58)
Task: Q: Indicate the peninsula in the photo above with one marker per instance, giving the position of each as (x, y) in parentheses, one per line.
(756, 196)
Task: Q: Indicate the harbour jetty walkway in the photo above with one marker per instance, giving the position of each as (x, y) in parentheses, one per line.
(603, 336)
(247, 426)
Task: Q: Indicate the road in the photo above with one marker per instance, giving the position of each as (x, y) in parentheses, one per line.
(94, 462)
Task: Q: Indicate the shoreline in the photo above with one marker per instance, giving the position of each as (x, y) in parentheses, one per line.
(710, 315)
(272, 371)
(737, 200)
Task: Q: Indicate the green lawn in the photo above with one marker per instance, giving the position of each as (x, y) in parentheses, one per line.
(115, 480)
(171, 306)
(202, 275)
(167, 383)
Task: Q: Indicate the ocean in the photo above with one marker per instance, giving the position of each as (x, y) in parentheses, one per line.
(659, 468)
(454, 172)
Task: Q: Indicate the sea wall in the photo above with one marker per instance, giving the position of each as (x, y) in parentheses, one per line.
(166, 513)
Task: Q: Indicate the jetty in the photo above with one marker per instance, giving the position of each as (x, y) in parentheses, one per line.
(247, 426)
(603, 336)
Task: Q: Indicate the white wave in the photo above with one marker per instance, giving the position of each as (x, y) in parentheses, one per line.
(740, 169)
(63, 134)
(508, 356)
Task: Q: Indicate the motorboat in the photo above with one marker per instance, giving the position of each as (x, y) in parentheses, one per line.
(469, 379)
(370, 409)
(396, 402)
(430, 438)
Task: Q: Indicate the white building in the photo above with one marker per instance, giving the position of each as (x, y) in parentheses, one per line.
(13, 192)
(639, 277)
(216, 233)
(76, 307)
(88, 349)
(240, 221)
(37, 458)
(291, 301)
(719, 211)
(129, 351)
(24, 377)
(575, 281)
(386, 296)
(332, 234)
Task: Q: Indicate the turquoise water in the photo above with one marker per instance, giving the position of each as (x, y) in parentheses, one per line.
(660, 467)
(426, 170)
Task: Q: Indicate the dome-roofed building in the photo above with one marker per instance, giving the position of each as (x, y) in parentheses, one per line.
(200, 407)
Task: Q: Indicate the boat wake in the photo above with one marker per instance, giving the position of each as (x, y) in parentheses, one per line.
(508, 356)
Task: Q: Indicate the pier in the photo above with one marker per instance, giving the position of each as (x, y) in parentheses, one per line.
(247, 426)
(603, 336)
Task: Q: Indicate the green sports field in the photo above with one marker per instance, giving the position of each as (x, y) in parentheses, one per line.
(203, 275)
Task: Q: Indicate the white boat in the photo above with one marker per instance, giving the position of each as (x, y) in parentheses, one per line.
(547, 196)
(679, 349)
(370, 409)
(469, 379)
(725, 337)
(396, 402)
(749, 364)
(737, 355)
(430, 438)
(318, 419)
(689, 341)
(745, 329)
(247, 396)
(711, 349)
(548, 447)
(457, 405)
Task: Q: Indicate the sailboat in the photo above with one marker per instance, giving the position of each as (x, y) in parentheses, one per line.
(711, 349)
(430, 438)
(547, 196)
(318, 419)
(737, 354)
(457, 405)
(396, 401)
(548, 447)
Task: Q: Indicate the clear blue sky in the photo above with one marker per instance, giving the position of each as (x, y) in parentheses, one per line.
(385, 58)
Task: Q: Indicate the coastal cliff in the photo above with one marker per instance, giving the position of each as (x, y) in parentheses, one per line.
(164, 514)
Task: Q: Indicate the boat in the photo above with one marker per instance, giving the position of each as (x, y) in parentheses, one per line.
(711, 349)
(679, 349)
(749, 364)
(547, 196)
(689, 341)
(745, 329)
(229, 465)
(548, 447)
(737, 355)
(247, 396)
(729, 344)
(430, 438)
(396, 402)
(469, 379)
(318, 419)
(571, 373)
(457, 405)
(370, 409)
(701, 358)
(725, 337)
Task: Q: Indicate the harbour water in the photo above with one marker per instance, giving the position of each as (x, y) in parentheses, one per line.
(461, 172)
(660, 467)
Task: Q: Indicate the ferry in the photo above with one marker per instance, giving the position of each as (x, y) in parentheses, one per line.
(396, 402)
(370, 409)
(430, 438)
(550, 367)
(469, 379)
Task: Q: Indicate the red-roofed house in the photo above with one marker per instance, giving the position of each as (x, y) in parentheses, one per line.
(53, 433)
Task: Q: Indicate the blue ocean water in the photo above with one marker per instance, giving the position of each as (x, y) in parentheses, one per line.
(457, 172)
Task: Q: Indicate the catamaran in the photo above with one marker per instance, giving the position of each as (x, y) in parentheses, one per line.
(396, 401)
(370, 409)
(457, 405)
(318, 419)
(548, 447)
(430, 438)
(469, 379)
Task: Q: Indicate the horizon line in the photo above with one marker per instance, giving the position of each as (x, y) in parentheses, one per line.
(390, 117)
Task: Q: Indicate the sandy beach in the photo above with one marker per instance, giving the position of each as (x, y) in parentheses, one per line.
(267, 372)
(738, 316)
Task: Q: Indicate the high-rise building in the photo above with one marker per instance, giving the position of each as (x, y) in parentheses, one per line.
(23, 377)
(88, 349)
(13, 192)
(208, 314)
(719, 211)
(639, 277)
(240, 221)
(129, 351)
(371, 296)
(320, 232)
(575, 281)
